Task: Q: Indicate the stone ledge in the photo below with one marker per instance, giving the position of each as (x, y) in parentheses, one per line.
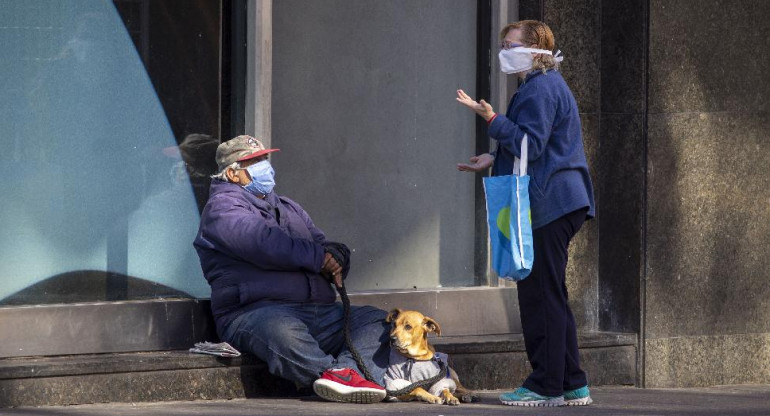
(508, 370)
(515, 342)
(69, 365)
(246, 381)
(493, 362)
(483, 362)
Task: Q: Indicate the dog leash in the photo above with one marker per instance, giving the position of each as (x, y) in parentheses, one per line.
(346, 330)
(360, 362)
(341, 255)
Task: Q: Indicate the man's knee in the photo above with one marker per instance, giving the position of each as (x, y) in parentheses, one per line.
(368, 313)
(272, 326)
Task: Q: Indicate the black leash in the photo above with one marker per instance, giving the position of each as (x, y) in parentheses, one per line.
(348, 341)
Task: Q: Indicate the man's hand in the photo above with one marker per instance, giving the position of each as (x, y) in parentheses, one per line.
(332, 270)
(481, 108)
(478, 163)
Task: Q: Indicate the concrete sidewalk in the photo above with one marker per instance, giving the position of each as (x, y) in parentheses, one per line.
(721, 400)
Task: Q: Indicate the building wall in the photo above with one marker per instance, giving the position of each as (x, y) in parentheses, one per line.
(576, 27)
(622, 158)
(707, 308)
(621, 168)
(677, 136)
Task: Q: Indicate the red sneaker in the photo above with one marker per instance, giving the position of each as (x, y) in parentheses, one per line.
(346, 385)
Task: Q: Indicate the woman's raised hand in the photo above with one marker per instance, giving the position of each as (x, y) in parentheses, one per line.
(482, 108)
(478, 163)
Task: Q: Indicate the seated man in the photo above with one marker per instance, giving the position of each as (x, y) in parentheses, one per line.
(270, 270)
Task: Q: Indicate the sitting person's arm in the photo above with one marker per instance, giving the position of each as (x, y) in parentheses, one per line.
(318, 235)
(242, 234)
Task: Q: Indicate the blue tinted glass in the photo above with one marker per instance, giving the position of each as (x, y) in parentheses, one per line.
(98, 201)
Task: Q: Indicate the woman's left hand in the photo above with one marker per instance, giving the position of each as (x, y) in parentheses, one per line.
(482, 108)
(478, 163)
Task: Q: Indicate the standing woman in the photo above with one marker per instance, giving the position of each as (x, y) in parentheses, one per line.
(561, 199)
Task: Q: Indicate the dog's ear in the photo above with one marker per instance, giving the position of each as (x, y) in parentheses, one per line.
(431, 326)
(393, 315)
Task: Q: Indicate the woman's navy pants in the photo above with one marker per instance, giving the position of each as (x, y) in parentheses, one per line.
(549, 329)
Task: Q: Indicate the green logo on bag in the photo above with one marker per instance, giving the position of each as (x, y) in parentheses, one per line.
(504, 222)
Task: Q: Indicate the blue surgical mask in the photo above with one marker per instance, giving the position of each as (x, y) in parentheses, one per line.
(262, 178)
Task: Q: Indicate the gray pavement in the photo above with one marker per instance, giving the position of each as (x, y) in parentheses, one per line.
(751, 400)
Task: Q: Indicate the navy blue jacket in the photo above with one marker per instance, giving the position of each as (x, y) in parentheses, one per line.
(545, 109)
(257, 252)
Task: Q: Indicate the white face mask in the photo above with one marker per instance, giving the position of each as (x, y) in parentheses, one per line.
(520, 59)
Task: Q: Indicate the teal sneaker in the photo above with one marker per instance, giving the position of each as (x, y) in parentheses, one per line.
(526, 397)
(578, 397)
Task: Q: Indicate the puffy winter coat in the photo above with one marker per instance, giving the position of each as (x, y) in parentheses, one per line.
(256, 252)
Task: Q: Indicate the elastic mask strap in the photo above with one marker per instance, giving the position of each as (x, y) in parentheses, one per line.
(557, 56)
(532, 50)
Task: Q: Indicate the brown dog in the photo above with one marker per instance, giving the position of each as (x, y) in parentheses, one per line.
(412, 359)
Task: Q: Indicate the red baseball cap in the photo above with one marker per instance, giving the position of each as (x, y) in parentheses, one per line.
(239, 149)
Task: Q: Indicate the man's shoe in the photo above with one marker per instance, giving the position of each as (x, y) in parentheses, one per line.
(578, 397)
(346, 385)
(526, 397)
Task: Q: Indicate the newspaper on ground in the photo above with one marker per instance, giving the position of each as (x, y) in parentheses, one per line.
(221, 349)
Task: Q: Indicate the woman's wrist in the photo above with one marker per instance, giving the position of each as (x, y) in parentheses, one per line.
(489, 118)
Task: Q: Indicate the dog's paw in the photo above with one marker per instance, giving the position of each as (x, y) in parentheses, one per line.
(433, 399)
(451, 400)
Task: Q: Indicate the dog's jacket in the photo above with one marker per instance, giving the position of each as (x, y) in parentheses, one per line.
(404, 371)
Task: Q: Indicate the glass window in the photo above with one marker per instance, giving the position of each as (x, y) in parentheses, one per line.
(110, 118)
(370, 135)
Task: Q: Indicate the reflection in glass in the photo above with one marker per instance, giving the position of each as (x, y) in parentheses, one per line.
(92, 195)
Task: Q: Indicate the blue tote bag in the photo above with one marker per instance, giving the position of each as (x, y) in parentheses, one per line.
(510, 221)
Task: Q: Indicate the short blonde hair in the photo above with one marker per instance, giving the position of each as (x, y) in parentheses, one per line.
(535, 32)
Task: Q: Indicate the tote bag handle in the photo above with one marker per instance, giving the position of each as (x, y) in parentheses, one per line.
(520, 164)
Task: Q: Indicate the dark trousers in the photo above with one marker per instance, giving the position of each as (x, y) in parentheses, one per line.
(549, 327)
